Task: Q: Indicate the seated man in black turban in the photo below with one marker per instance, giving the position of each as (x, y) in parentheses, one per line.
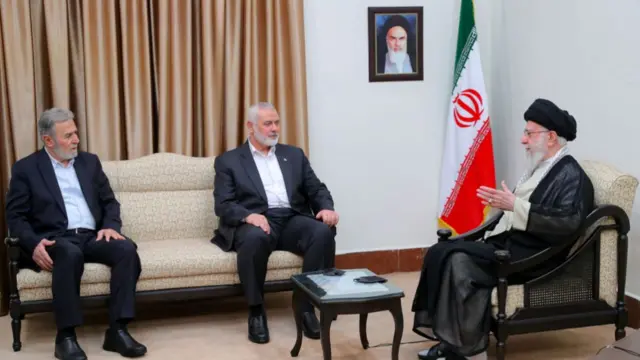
(452, 304)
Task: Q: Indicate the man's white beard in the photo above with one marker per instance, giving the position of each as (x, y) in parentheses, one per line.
(63, 155)
(397, 57)
(536, 153)
(534, 159)
(264, 140)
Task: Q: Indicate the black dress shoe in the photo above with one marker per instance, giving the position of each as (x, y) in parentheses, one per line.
(310, 325)
(120, 341)
(258, 330)
(68, 349)
(439, 351)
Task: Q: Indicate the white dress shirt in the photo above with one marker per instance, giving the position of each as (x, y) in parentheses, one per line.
(78, 212)
(271, 176)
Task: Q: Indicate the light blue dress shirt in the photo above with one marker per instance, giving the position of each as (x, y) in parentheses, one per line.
(78, 212)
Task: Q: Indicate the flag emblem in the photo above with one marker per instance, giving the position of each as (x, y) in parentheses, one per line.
(468, 108)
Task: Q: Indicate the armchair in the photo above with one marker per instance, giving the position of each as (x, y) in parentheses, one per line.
(588, 288)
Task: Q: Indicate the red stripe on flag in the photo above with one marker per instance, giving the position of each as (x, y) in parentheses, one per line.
(463, 210)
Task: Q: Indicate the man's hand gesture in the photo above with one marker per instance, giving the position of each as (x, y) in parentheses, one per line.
(259, 221)
(328, 217)
(41, 256)
(499, 199)
(108, 234)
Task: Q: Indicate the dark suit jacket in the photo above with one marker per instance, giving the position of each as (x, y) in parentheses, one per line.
(35, 209)
(239, 192)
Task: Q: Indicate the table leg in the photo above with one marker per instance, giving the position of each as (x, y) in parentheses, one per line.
(297, 315)
(326, 318)
(363, 331)
(396, 311)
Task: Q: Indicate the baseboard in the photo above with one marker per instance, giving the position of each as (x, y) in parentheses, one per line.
(633, 307)
(383, 262)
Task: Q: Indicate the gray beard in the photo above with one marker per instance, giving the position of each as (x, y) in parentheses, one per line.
(64, 155)
(264, 140)
(533, 160)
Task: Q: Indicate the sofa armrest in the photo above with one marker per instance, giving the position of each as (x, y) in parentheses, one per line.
(11, 241)
(13, 248)
(13, 252)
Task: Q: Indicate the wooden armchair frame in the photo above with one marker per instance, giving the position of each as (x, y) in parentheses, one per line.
(566, 306)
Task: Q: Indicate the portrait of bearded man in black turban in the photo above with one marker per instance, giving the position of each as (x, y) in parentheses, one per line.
(395, 44)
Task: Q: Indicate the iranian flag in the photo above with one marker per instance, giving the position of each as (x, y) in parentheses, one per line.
(468, 151)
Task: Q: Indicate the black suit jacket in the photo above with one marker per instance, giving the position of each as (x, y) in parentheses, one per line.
(35, 209)
(239, 192)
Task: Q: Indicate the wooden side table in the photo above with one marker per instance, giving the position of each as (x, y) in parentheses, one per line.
(337, 295)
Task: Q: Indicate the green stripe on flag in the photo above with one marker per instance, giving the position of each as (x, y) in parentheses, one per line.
(466, 38)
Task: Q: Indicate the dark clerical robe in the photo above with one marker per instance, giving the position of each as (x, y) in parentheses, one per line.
(453, 299)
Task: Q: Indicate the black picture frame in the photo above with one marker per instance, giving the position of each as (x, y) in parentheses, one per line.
(398, 18)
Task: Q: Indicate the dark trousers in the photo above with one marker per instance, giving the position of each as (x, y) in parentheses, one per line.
(289, 231)
(70, 253)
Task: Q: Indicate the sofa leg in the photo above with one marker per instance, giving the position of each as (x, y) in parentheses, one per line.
(620, 332)
(622, 320)
(501, 341)
(16, 320)
(16, 325)
(621, 323)
(500, 350)
(13, 250)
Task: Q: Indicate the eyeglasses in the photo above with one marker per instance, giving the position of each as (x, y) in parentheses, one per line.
(528, 133)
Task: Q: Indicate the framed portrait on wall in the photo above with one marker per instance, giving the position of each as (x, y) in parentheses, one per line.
(395, 44)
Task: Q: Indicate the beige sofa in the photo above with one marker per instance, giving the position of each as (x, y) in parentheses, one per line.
(167, 209)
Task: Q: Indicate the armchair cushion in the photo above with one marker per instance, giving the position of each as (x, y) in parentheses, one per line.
(615, 188)
(515, 300)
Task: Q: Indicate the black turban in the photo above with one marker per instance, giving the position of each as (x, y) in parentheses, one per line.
(547, 114)
(393, 21)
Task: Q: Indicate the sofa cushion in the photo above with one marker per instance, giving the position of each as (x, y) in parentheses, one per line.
(160, 172)
(164, 259)
(166, 215)
(86, 289)
(164, 196)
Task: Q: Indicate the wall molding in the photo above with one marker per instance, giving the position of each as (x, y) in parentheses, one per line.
(383, 261)
(633, 307)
